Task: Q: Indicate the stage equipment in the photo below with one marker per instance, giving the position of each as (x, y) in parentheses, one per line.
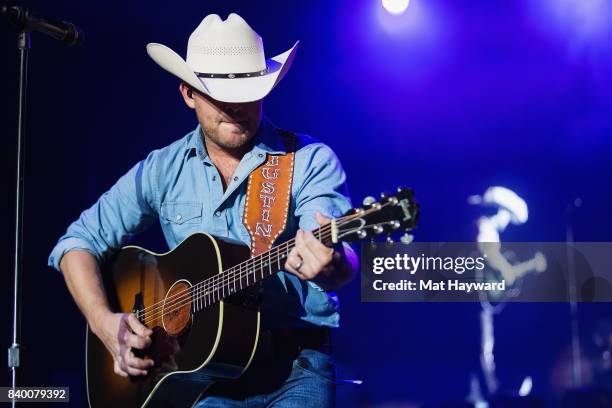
(63, 31)
(69, 34)
(395, 6)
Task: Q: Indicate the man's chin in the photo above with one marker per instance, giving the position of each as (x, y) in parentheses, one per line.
(235, 138)
(233, 127)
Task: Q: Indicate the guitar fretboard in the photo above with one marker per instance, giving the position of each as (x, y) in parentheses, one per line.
(248, 273)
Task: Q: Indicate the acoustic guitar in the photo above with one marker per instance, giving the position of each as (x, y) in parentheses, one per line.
(201, 300)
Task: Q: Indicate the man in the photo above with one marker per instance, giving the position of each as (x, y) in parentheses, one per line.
(199, 183)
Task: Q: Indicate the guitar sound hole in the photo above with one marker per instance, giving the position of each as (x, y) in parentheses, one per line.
(177, 309)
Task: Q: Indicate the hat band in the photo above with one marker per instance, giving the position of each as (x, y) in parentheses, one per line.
(233, 76)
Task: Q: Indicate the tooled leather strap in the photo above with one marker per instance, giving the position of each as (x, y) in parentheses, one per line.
(268, 196)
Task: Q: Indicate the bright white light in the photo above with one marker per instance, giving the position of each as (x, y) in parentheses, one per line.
(395, 6)
(526, 387)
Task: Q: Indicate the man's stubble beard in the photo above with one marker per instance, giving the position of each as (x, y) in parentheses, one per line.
(231, 143)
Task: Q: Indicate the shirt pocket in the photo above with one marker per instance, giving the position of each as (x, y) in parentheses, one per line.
(181, 212)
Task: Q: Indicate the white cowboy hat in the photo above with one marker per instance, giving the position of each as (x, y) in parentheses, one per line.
(504, 199)
(225, 60)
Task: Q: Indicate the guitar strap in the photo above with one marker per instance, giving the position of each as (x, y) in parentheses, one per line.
(268, 196)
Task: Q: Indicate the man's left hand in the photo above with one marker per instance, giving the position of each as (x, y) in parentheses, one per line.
(311, 260)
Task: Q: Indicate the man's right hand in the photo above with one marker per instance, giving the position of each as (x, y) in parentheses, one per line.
(120, 333)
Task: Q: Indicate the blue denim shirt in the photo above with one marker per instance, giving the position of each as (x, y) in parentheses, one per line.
(179, 186)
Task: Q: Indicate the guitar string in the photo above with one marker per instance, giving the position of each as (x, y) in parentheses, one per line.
(223, 280)
(214, 289)
(188, 301)
(252, 261)
(217, 279)
(226, 278)
(239, 266)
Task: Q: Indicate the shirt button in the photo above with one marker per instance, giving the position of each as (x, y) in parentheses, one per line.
(217, 213)
(179, 217)
(214, 178)
(260, 154)
(235, 178)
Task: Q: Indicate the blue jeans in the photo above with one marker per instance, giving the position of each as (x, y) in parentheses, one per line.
(279, 379)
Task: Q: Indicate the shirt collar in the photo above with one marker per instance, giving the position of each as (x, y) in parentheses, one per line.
(267, 140)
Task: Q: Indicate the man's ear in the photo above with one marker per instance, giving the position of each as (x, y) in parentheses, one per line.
(187, 94)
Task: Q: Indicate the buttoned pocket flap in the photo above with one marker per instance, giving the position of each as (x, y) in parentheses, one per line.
(182, 212)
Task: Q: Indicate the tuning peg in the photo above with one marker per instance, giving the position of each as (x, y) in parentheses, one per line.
(369, 200)
(377, 229)
(407, 238)
(389, 239)
(395, 224)
(362, 234)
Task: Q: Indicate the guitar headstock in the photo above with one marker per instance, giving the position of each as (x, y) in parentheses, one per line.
(392, 213)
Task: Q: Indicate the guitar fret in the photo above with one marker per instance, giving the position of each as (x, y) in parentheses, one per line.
(269, 264)
(193, 305)
(239, 268)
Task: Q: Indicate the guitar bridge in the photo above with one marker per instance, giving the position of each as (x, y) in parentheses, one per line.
(138, 307)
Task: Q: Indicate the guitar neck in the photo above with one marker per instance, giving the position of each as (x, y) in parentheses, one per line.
(394, 213)
(250, 272)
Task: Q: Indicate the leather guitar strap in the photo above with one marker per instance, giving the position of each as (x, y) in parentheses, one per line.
(268, 196)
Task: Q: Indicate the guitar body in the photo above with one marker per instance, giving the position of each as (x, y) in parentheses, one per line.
(190, 350)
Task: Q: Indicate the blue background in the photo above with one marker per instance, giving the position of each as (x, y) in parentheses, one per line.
(448, 98)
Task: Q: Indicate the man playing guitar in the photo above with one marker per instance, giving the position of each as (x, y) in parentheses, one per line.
(199, 184)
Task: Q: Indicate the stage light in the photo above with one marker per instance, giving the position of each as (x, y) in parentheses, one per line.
(395, 6)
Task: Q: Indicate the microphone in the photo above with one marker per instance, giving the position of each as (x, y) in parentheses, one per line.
(63, 31)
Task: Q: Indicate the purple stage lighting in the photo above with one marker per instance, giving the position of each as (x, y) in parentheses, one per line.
(395, 6)
(585, 25)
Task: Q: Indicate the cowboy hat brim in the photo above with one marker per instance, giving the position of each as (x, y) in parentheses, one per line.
(235, 90)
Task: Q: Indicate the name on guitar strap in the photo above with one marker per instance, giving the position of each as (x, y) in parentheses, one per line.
(267, 199)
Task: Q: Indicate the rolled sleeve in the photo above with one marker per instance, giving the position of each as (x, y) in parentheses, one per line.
(323, 189)
(323, 186)
(125, 209)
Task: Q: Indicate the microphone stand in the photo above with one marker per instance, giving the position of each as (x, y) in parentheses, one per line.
(68, 34)
(14, 352)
